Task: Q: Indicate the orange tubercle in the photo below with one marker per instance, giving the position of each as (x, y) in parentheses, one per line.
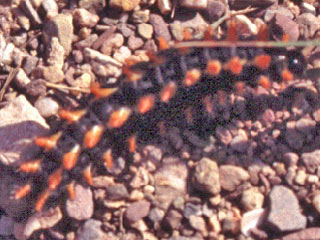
(263, 33)
(71, 192)
(264, 82)
(22, 191)
(108, 159)
(286, 75)
(55, 179)
(30, 166)
(187, 35)
(70, 159)
(232, 34)
(239, 86)
(213, 67)
(262, 61)
(71, 116)
(209, 33)
(145, 103)
(88, 176)
(132, 141)
(48, 143)
(192, 77)
(234, 65)
(207, 103)
(163, 44)
(119, 117)
(99, 92)
(168, 91)
(93, 136)
(42, 199)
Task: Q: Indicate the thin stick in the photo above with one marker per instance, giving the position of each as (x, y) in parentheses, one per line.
(57, 86)
(269, 44)
(9, 79)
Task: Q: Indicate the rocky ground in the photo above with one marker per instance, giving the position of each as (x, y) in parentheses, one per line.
(257, 177)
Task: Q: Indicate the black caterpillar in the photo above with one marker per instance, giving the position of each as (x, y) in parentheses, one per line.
(174, 89)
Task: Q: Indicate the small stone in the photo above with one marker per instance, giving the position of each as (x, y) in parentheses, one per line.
(307, 8)
(83, 81)
(61, 26)
(231, 224)
(301, 177)
(232, 176)
(165, 6)
(140, 179)
(84, 18)
(170, 182)
(206, 176)
(80, 208)
(125, 5)
(51, 8)
(215, 9)
(141, 16)
(91, 229)
(252, 219)
(31, 12)
(316, 202)
(101, 58)
(311, 160)
(122, 54)
(214, 223)
(224, 135)
(94, 6)
(135, 42)
(137, 210)
(47, 107)
(291, 158)
(199, 224)
(6, 225)
(192, 209)
(284, 212)
(42, 220)
(145, 30)
(173, 219)
(117, 192)
(305, 125)
(156, 215)
(252, 199)
(284, 25)
(53, 74)
(200, 4)
(17, 145)
(240, 142)
(21, 78)
(160, 27)
(29, 64)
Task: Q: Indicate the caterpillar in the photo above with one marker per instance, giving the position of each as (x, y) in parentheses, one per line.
(174, 89)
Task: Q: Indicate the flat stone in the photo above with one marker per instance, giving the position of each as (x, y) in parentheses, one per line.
(125, 5)
(311, 160)
(232, 176)
(60, 26)
(170, 182)
(42, 220)
(47, 106)
(91, 229)
(145, 30)
(20, 123)
(85, 18)
(285, 212)
(137, 210)
(206, 176)
(160, 27)
(80, 208)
